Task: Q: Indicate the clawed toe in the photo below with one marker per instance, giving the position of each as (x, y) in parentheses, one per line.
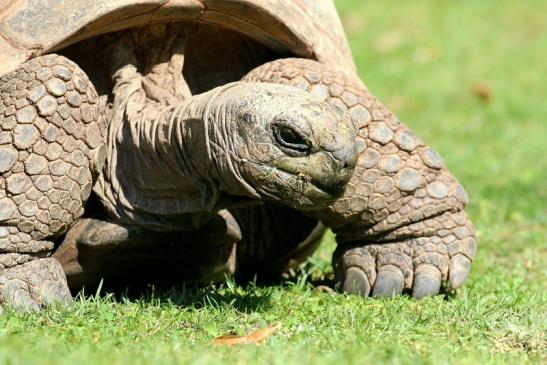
(427, 281)
(389, 282)
(460, 266)
(16, 295)
(388, 270)
(356, 282)
(53, 293)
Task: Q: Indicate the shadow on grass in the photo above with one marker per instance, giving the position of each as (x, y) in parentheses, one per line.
(243, 298)
(243, 295)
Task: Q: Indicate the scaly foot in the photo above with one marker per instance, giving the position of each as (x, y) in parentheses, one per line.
(32, 284)
(422, 265)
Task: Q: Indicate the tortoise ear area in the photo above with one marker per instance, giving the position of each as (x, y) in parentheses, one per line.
(247, 121)
(248, 118)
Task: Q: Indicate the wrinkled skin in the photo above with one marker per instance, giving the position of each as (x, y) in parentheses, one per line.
(241, 141)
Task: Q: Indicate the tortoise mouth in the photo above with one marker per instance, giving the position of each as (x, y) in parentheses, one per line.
(331, 189)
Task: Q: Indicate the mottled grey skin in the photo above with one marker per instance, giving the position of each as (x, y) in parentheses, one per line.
(240, 179)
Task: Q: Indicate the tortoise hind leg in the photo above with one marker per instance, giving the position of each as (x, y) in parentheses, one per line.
(50, 137)
(126, 255)
(265, 240)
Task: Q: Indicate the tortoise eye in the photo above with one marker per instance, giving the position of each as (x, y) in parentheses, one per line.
(289, 138)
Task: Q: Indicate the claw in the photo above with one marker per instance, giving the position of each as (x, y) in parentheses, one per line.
(18, 297)
(459, 269)
(56, 290)
(356, 282)
(427, 281)
(53, 293)
(389, 282)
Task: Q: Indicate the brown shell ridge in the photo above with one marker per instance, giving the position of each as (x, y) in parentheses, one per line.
(304, 28)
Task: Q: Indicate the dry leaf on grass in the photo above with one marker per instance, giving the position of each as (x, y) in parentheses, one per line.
(253, 337)
(482, 90)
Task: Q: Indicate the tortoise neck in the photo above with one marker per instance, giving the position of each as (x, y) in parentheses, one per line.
(168, 161)
(192, 142)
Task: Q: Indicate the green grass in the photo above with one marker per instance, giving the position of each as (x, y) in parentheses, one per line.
(424, 59)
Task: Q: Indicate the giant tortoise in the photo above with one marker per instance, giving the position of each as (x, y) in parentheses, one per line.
(190, 139)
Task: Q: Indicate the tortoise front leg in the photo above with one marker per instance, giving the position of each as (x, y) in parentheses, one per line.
(50, 138)
(120, 254)
(400, 224)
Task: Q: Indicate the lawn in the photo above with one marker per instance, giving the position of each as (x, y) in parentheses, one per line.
(470, 77)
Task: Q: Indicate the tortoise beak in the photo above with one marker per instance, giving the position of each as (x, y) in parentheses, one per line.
(343, 162)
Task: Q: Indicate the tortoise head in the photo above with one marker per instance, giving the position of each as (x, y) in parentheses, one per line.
(287, 146)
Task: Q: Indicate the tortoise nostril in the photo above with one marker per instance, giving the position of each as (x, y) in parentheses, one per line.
(346, 155)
